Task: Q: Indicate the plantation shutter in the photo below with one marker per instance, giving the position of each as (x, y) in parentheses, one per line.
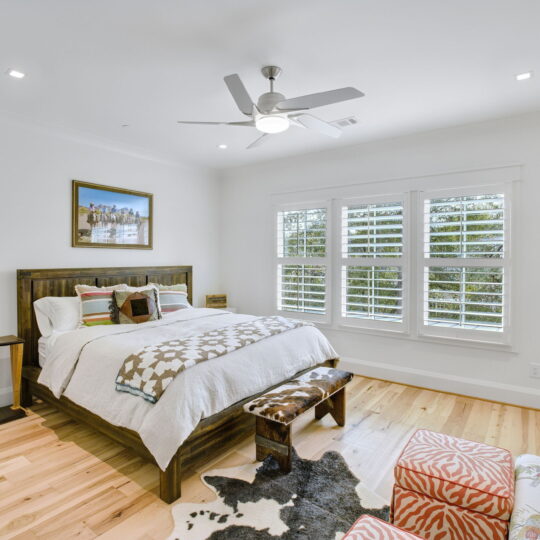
(372, 263)
(302, 261)
(464, 264)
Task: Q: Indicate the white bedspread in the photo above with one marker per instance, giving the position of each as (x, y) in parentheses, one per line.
(83, 365)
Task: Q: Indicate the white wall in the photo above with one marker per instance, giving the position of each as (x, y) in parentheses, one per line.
(234, 254)
(413, 162)
(36, 169)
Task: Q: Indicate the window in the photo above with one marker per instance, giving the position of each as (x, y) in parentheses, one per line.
(464, 266)
(302, 261)
(372, 263)
(348, 262)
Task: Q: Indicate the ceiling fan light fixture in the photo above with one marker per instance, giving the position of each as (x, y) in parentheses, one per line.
(272, 123)
(15, 74)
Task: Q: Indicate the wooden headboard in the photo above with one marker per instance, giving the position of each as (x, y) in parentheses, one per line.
(35, 284)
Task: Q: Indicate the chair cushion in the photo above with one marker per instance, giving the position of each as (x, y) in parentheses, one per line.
(525, 522)
(459, 472)
(371, 528)
(288, 401)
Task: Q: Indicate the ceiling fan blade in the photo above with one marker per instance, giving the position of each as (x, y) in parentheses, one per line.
(318, 100)
(316, 124)
(249, 123)
(239, 93)
(259, 141)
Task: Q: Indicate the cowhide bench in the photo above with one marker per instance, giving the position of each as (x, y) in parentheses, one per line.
(322, 388)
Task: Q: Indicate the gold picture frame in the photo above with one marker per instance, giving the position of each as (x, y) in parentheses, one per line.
(111, 217)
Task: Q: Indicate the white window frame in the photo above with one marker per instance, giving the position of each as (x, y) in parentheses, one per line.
(465, 334)
(339, 261)
(311, 261)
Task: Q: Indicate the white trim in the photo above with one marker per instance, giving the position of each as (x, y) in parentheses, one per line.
(523, 396)
(498, 174)
(396, 334)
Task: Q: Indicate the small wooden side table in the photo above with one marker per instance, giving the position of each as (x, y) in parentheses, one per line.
(16, 349)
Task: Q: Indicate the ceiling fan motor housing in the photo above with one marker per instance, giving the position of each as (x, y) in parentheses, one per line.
(267, 102)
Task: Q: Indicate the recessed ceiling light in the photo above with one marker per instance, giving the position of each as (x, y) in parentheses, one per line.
(15, 74)
(524, 76)
(222, 146)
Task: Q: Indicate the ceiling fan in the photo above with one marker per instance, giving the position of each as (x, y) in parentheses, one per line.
(274, 114)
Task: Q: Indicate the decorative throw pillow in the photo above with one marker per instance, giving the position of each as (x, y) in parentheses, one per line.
(171, 297)
(136, 307)
(96, 303)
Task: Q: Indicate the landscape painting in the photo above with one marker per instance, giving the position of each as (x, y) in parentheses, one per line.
(110, 217)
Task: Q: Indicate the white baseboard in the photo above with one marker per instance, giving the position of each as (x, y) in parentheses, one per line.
(505, 393)
(6, 396)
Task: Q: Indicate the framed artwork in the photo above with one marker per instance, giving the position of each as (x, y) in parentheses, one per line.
(109, 217)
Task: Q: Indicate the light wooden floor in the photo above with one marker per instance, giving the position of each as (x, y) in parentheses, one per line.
(61, 480)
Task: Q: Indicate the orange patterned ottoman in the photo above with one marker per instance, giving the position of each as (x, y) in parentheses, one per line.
(371, 528)
(452, 488)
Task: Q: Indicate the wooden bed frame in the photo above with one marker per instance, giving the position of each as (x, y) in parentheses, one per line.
(213, 435)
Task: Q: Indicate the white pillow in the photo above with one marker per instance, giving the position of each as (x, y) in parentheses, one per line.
(57, 313)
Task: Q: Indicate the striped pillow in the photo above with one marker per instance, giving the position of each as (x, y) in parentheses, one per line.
(96, 303)
(172, 297)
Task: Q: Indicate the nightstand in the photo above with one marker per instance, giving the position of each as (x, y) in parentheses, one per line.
(16, 349)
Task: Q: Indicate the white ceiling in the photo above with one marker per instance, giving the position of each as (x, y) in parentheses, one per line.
(93, 65)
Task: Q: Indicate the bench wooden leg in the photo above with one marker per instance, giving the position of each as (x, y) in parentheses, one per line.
(273, 438)
(335, 405)
(169, 481)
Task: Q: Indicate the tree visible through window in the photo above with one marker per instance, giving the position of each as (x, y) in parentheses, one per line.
(467, 233)
(372, 247)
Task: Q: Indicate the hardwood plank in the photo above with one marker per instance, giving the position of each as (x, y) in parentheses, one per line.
(59, 479)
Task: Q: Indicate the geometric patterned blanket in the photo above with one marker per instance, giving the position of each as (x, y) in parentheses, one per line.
(148, 372)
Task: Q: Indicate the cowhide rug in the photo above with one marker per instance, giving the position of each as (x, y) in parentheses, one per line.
(316, 500)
